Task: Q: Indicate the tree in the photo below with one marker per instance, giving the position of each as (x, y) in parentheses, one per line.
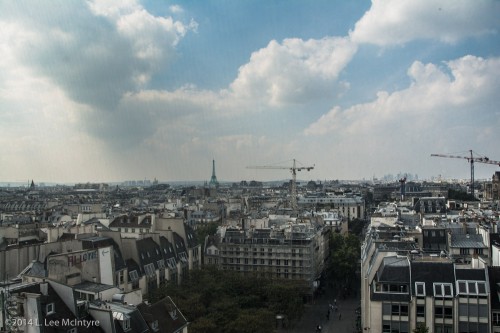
(421, 328)
(211, 298)
(356, 226)
(345, 252)
(202, 231)
(460, 195)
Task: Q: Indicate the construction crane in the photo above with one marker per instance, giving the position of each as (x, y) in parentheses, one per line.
(471, 159)
(293, 169)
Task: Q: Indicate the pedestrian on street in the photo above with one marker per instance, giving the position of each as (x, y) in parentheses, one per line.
(340, 316)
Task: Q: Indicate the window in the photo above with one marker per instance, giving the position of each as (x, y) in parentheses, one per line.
(472, 288)
(443, 312)
(133, 275)
(149, 269)
(399, 310)
(496, 319)
(420, 288)
(420, 310)
(171, 263)
(126, 324)
(161, 264)
(443, 290)
(49, 309)
(439, 328)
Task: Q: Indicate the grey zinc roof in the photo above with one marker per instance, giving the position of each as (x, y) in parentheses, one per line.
(430, 272)
(467, 241)
(394, 269)
(470, 274)
(92, 286)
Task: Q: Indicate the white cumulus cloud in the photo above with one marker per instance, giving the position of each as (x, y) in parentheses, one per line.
(94, 51)
(295, 71)
(463, 93)
(391, 22)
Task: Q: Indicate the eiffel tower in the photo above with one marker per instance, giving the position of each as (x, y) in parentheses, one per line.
(213, 180)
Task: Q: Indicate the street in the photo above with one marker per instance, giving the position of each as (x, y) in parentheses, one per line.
(343, 320)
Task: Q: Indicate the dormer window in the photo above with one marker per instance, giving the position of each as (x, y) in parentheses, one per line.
(126, 324)
(443, 290)
(154, 325)
(124, 320)
(420, 288)
(50, 309)
(472, 287)
(133, 275)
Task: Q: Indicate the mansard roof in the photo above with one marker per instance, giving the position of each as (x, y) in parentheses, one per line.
(149, 252)
(394, 269)
(166, 313)
(430, 273)
(472, 274)
(471, 241)
(190, 236)
(167, 248)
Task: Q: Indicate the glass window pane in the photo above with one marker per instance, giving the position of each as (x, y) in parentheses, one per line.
(481, 288)
(473, 310)
(472, 288)
(483, 328)
(483, 310)
(404, 310)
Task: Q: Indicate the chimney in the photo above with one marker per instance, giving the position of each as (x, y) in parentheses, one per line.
(170, 235)
(44, 288)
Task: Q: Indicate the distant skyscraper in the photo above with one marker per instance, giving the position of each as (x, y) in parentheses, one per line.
(213, 180)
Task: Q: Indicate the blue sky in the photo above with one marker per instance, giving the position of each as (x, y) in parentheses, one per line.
(108, 91)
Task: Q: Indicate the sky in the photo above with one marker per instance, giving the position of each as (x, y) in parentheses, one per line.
(104, 91)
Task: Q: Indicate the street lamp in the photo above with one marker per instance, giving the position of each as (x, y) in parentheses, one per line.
(279, 320)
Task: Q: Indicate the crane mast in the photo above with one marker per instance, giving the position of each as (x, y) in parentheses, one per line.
(293, 169)
(471, 159)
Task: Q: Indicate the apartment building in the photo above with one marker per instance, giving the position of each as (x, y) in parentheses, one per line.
(403, 286)
(351, 207)
(292, 251)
